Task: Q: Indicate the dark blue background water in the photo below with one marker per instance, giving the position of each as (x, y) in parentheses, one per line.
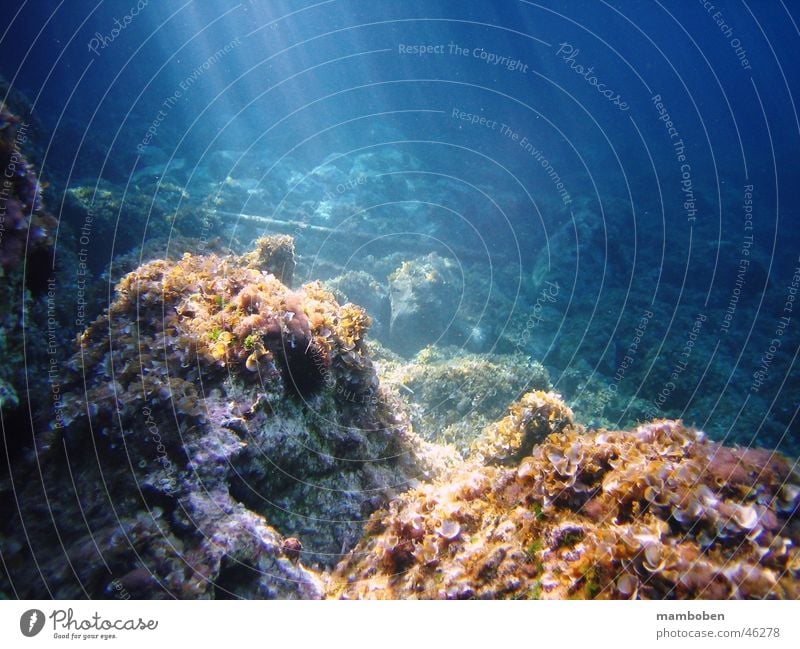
(306, 80)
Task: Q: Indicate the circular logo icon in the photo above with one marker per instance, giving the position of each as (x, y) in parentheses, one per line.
(31, 622)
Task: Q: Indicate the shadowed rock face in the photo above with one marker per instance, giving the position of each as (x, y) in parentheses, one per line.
(304, 365)
(26, 271)
(304, 362)
(27, 227)
(274, 254)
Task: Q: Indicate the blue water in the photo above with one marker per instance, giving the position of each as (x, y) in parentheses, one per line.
(640, 156)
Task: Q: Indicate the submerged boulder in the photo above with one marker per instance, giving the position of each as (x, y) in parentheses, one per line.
(529, 421)
(363, 289)
(425, 295)
(274, 254)
(452, 394)
(209, 413)
(657, 512)
(27, 237)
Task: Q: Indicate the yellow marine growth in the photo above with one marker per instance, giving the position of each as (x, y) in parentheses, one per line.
(273, 254)
(172, 321)
(452, 394)
(529, 421)
(658, 512)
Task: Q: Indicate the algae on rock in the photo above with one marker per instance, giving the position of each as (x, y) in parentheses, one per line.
(241, 410)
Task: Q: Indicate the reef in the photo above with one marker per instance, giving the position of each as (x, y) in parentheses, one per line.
(222, 434)
(275, 255)
(219, 435)
(232, 315)
(228, 428)
(452, 394)
(657, 512)
(529, 421)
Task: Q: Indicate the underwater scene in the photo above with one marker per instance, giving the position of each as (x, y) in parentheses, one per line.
(350, 299)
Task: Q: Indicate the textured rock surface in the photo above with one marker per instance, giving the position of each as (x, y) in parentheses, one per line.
(27, 232)
(425, 295)
(363, 289)
(274, 255)
(209, 412)
(27, 228)
(529, 421)
(452, 395)
(659, 512)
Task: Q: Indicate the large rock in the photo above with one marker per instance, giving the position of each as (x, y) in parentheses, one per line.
(425, 294)
(658, 512)
(452, 395)
(27, 236)
(363, 289)
(529, 421)
(218, 433)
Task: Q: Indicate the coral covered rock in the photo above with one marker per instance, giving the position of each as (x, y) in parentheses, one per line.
(452, 394)
(530, 420)
(658, 512)
(210, 411)
(273, 254)
(224, 316)
(363, 289)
